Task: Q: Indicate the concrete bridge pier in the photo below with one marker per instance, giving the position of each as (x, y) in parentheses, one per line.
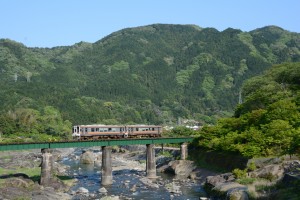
(106, 178)
(150, 161)
(46, 167)
(183, 151)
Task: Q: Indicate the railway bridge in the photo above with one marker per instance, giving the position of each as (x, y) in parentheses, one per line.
(106, 179)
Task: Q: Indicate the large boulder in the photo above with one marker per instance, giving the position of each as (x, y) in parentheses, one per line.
(87, 157)
(291, 165)
(181, 167)
(270, 172)
(231, 190)
(238, 194)
(201, 174)
(213, 181)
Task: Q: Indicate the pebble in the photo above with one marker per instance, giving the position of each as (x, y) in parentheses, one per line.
(102, 190)
(82, 190)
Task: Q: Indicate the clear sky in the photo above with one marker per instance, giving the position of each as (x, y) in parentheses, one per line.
(49, 23)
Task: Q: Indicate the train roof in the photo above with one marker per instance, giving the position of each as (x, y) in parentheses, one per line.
(103, 125)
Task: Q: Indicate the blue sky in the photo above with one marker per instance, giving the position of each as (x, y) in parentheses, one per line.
(42, 23)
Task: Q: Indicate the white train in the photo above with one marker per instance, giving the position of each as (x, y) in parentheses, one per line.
(95, 132)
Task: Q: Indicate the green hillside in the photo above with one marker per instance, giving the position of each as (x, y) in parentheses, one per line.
(151, 74)
(268, 121)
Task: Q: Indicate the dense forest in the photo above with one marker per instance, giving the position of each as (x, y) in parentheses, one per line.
(148, 75)
(267, 123)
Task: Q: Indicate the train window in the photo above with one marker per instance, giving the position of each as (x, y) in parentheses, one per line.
(86, 130)
(109, 129)
(92, 129)
(137, 129)
(97, 129)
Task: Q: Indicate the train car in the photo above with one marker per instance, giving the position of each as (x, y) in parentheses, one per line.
(94, 132)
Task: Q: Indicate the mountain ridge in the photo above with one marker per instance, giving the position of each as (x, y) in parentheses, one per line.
(149, 74)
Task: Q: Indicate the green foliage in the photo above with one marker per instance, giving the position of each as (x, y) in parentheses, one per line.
(251, 166)
(239, 174)
(246, 181)
(29, 125)
(267, 123)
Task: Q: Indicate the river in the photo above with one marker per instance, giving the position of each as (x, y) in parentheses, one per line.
(127, 184)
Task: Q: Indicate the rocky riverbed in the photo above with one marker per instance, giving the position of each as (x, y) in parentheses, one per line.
(79, 176)
(129, 178)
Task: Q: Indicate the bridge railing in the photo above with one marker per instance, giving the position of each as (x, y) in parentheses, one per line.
(92, 143)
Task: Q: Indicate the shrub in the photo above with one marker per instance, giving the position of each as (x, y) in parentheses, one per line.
(239, 173)
(251, 166)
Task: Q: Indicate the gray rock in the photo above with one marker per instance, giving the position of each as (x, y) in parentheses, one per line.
(213, 181)
(149, 182)
(238, 194)
(292, 165)
(230, 189)
(133, 189)
(270, 172)
(110, 198)
(173, 188)
(181, 167)
(224, 187)
(87, 157)
(82, 190)
(102, 190)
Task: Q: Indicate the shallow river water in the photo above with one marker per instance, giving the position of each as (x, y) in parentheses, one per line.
(127, 184)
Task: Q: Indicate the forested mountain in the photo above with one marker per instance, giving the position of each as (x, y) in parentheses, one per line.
(151, 74)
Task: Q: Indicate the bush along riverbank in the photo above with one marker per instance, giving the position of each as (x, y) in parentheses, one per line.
(256, 178)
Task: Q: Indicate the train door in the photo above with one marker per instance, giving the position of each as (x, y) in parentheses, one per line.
(126, 132)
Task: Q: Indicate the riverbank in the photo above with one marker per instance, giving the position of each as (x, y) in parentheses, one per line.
(262, 178)
(20, 174)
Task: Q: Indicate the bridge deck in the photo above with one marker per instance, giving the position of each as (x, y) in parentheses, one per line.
(71, 144)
